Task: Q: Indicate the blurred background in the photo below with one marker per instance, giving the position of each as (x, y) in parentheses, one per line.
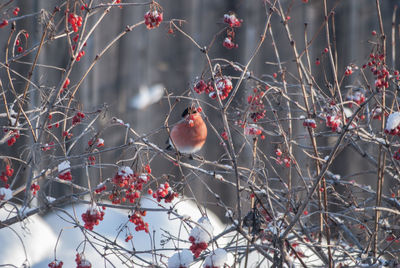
(145, 59)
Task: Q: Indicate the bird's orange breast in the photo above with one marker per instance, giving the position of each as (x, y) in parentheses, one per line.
(188, 137)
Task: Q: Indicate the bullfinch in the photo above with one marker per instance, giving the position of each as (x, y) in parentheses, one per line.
(190, 133)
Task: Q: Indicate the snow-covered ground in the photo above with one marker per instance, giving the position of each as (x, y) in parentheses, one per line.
(37, 238)
(40, 235)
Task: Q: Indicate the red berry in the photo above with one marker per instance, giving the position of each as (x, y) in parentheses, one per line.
(3, 23)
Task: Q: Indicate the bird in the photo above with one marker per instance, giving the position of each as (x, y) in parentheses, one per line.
(189, 134)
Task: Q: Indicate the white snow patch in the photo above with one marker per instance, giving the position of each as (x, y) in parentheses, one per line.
(393, 121)
(64, 166)
(37, 239)
(217, 259)
(219, 177)
(203, 232)
(180, 259)
(125, 171)
(147, 96)
(229, 213)
(50, 199)
(71, 237)
(347, 112)
(5, 194)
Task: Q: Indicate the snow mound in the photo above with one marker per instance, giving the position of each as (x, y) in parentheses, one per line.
(26, 242)
(203, 232)
(180, 259)
(218, 259)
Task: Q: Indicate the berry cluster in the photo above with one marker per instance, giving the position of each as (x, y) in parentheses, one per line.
(66, 84)
(14, 135)
(47, 146)
(280, 159)
(16, 11)
(82, 262)
(77, 118)
(224, 87)
(92, 160)
(34, 188)
(4, 175)
(397, 155)
(82, 52)
(334, 122)
(99, 142)
(228, 43)
(252, 129)
(164, 192)
(65, 176)
(123, 177)
(232, 20)
(153, 17)
(125, 180)
(197, 248)
(200, 236)
(377, 113)
(65, 171)
(137, 220)
(256, 105)
(224, 135)
(67, 134)
(309, 123)
(92, 217)
(377, 67)
(56, 264)
(200, 86)
(348, 71)
(80, 55)
(100, 188)
(128, 238)
(75, 21)
(357, 97)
